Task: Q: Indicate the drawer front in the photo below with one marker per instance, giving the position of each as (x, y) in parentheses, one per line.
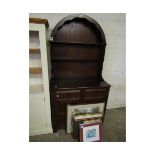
(95, 99)
(95, 95)
(96, 92)
(73, 95)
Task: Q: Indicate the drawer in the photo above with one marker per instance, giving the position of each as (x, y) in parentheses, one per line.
(68, 95)
(95, 99)
(96, 92)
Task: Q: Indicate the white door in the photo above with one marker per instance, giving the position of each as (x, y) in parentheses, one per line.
(37, 113)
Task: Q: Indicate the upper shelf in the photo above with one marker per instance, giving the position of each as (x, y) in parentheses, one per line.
(34, 50)
(77, 44)
(36, 70)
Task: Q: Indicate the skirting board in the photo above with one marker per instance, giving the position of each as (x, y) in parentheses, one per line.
(39, 132)
(111, 106)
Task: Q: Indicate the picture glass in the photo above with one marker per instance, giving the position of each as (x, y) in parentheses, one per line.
(91, 133)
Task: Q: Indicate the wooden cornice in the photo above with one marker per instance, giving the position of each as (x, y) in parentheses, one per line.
(39, 21)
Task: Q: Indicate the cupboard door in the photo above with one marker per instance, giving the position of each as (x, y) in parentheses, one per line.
(37, 112)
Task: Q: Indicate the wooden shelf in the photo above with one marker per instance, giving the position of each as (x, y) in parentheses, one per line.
(36, 70)
(34, 50)
(74, 60)
(36, 88)
(78, 44)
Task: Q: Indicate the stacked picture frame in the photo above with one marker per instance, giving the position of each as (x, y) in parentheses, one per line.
(91, 132)
(85, 122)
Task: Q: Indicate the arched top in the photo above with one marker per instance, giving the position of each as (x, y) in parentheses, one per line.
(80, 18)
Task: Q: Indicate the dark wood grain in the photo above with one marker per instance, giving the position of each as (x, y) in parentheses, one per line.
(76, 53)
(59, 43)
(72, 69)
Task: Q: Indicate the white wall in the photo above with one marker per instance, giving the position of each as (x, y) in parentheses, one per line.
(114, 67)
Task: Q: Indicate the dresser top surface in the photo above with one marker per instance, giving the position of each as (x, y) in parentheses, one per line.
(74, 83)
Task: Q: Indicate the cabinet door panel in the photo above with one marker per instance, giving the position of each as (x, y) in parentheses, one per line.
(61, 119)
(37, 112)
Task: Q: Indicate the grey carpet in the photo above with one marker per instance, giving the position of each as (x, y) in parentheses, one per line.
(114, 129)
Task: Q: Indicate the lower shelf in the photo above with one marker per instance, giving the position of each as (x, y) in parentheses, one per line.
(36, 88)
(36, 70)
(34, 50)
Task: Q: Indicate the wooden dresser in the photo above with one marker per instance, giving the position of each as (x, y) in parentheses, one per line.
(77, 48)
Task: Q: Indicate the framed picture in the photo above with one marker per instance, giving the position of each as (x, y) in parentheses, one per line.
(88, 108)
(91, 132)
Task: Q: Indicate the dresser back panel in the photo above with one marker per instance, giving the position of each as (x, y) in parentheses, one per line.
(76, 53)
(74, 70)
(78, 30)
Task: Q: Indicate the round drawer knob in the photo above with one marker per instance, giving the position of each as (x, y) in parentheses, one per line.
(57, 95)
